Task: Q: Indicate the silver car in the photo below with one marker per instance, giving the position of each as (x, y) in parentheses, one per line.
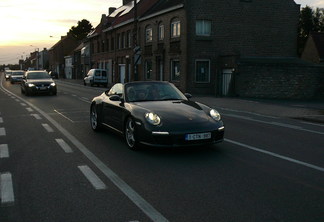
(8, 74)
(16, 76)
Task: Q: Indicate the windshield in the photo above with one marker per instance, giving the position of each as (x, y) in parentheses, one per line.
(152, 91)
(17, 73)
(38, 75)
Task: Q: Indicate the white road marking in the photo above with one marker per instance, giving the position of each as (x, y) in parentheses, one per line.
(276, 155)
(83, 100)
(314, 124)
(23, 104)
(4, 151)
(139, 201)
(247, 112)
(48, 127)
(37, 116)
(1, 120)
(6, 188)
(61, 114)
(17, 100)
(64, 145)
(275, 124)
(2, 131)
(29, 109)
(286, 125)
(93, 178)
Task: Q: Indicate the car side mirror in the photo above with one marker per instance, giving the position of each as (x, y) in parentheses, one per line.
(188, 95)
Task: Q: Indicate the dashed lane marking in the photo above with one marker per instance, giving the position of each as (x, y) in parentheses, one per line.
(2, 131)
(48, 127)
(4, 151)
(1, 120)
(6, 188)
(29, 109)
(64, 145)
(37, 116)
(92, 177)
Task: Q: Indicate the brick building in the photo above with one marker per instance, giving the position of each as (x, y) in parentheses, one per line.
(197, 45)
(57, 52)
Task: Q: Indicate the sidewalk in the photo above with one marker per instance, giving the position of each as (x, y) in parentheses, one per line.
(312, 111)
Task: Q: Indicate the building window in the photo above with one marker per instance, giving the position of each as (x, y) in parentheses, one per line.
(148, 69)
(148, 34)
(161, 32)
(203, 27)
(123, 40)
(175, 28)
(128, 39)
(202, 71)
(102, 46)
(119, 41)
(175, 70)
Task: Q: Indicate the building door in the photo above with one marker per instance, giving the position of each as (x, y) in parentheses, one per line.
(227, 75)
(122, 73)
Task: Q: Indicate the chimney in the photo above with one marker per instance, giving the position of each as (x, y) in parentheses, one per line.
(103, 19)
(126, 1)
(111, 10)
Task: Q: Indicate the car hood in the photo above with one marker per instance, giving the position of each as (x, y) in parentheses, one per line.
(176, 111)
(40, 81)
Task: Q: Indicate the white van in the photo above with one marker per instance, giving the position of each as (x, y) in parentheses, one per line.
(96, 77)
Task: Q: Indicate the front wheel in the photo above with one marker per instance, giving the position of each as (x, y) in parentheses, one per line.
(94, 119)
(130, 134)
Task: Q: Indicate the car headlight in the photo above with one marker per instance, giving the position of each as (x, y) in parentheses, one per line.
(31, 85)
(153, 118)
(52, 84)
(215, 115)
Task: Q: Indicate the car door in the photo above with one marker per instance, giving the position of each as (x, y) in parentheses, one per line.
(113, 109)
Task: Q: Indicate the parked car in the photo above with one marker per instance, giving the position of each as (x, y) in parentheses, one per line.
(53, 74)
(38, 82)
(155, 113)
(96, 77)
(7, 74)
(16, 76)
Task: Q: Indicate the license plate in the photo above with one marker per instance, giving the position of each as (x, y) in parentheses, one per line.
(43, 88)
(198, 136)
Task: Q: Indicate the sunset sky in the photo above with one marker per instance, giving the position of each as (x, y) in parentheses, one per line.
(26, 25)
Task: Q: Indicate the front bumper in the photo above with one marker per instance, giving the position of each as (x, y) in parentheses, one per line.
(178, 139)
(42, 90)
(15, 79)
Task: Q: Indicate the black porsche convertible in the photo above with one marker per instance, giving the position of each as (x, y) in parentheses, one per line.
(155, 113)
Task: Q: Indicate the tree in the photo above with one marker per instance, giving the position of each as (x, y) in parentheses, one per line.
(81, 31)
(309, 21)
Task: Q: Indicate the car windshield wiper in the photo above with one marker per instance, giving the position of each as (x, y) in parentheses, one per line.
(170, 99)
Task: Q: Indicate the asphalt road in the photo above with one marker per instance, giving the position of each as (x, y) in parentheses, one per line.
(53, 167)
